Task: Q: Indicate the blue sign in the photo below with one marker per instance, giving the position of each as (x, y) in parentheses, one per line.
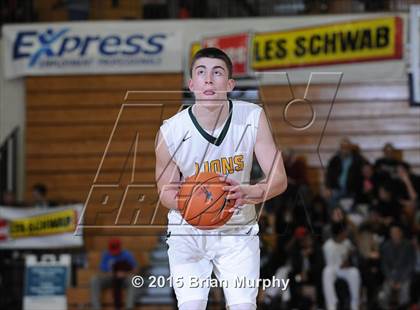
(46, 280)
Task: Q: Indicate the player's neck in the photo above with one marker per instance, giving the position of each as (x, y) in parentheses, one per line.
(211, 115)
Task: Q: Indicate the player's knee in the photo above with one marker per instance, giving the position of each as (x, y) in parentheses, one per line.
(354, 273)
(194, 305)
(242, 307)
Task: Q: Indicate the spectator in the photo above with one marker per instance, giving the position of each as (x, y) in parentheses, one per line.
(77, 9)
(397, 259)
(344, 173)
(306, 262)
(386, 166)
(116, 268)
(370, 264)
(415, 279)
(406, 194)
(339, 217)
(295, 167)
(337, 252)
(387, 205)
(39, 196)
(375, 224)
(369, 184)
(391, 169)
(8, 199)
(318, 214)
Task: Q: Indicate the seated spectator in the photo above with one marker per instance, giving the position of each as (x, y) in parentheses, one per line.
(386, 203)
(405, 185)
(295, 167)
(344, 173)
(318, 214)
(386, 166)
(338, 216)
(368, 243)
(39, 196)
(303, 267)
(369, 183)
(405, 191)
(116, 268)
(415, 279)
(338, 264)
(306, 263)
(397, 260)
(375, 224)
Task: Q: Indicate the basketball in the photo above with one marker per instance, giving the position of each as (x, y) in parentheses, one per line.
(202, 201)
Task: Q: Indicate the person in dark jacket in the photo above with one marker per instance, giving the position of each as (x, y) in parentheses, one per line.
(306, 262)
(397, 259)
(344, 173)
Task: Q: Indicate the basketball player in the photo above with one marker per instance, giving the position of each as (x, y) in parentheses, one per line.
(220, 135)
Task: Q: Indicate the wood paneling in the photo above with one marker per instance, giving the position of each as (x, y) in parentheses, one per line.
(369, 114)
(70, 120)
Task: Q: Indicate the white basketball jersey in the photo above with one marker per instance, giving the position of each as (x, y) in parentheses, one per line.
(227, 150)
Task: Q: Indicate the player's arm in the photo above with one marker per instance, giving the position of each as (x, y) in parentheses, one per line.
(166, 173)
(270, 160)
(271, 163)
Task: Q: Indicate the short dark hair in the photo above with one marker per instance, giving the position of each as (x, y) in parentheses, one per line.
(40, 188)
(338, 228)
(212, 52)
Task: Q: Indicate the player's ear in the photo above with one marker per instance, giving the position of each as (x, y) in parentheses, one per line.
(190, 85)
(231, 84)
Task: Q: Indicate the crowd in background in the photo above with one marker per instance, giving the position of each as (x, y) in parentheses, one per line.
(355, 242)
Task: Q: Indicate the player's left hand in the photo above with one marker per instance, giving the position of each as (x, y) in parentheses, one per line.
(242, 194)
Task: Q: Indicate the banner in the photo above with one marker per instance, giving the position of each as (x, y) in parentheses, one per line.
(33, 228)
(348, 42)
(91, 48)
(364, 47)
(236, 46)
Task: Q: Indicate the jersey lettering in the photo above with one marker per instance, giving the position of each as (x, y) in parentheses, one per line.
(225, 165)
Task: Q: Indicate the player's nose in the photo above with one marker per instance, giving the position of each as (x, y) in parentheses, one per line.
(209, 78)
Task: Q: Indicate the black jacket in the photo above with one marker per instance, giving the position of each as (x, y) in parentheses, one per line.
(354, 183)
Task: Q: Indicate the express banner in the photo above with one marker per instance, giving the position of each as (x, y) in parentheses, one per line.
(91, 48)
(34, 228)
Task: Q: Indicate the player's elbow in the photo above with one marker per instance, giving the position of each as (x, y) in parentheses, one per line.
(282, 185)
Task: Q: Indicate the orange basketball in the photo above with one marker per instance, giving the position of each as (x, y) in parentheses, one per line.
(202, 201)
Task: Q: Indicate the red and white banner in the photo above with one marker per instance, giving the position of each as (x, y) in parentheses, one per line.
(236, 46)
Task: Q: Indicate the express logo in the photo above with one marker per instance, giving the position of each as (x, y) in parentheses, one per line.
(60, 42)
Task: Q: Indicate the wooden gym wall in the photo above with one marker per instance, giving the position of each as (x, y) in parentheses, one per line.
(369, 114)
(69, 120)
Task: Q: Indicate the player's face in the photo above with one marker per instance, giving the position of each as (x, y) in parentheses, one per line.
(210, 79)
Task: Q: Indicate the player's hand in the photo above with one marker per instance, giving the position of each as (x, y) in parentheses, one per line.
(242, 194)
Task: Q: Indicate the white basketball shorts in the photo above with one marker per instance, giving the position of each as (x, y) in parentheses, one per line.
(235, 260)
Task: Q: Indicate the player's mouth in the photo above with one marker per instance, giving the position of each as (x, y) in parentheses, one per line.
(209, 92)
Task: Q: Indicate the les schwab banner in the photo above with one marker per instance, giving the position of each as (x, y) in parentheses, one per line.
(347, 42)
